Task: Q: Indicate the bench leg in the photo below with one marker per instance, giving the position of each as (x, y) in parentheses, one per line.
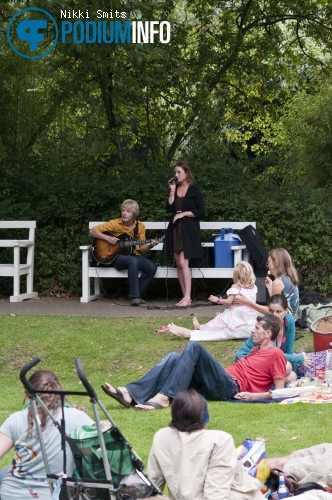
(86, 293)
(17, 296)
(237, 256)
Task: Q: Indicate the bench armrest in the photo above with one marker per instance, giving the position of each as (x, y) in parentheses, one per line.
(16, 243)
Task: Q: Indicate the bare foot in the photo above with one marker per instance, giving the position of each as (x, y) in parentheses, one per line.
(196, 323)
(158, 402)
(119, 391)
(179, 331)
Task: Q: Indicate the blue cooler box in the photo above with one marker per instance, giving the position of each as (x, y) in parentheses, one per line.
(223, 254)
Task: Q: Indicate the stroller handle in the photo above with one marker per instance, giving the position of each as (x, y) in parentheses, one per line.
(29, 387)
(81, 375)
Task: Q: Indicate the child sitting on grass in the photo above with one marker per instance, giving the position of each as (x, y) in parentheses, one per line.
(236, 322)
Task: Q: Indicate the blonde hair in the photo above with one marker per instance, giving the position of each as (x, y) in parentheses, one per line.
(243, 274)
(131, 206)
(283, 264)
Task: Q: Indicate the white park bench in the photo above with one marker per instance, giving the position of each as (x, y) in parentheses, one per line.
(96, 273)
(20, 265)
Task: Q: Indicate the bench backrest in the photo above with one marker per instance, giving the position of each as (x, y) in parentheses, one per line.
(217, 225)
(20, 224)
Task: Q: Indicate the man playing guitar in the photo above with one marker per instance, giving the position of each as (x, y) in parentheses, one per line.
(134, 262)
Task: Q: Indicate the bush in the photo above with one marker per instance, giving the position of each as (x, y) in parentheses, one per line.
(63, 202)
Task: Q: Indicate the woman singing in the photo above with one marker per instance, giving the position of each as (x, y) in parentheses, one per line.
(183, 236)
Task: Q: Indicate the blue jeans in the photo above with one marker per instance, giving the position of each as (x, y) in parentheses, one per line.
(195, 368)
(135, 264)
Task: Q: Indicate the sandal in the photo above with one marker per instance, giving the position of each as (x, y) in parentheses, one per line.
(118, 396)
(163, 329)
(183, 303)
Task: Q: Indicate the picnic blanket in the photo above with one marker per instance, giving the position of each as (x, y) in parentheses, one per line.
(262, 400)
(321, 399)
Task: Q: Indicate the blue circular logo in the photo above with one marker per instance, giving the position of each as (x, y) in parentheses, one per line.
(32, 33)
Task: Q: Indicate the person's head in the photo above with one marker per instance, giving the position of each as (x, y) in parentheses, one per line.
(267, 327)
(189, 411)
(278, 305)
(44, 380)
(280, 263)
(130, 206)
(183, 172)
(243, 274)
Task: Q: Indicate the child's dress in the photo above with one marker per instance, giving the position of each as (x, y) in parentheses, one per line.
(236, 322)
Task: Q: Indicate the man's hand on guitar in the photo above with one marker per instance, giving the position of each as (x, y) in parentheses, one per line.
(154, 242)
(112, 239)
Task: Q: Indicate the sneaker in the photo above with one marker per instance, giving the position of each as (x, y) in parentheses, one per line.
(137, 301)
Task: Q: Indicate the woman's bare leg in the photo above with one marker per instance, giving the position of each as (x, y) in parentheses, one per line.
(179, 271)
(184, 275)
(196, 324)
(179, 331)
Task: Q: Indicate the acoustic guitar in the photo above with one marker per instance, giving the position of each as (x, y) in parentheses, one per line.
(105, 253)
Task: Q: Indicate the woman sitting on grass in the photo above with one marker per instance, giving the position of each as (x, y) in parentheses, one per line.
(236, 322)
(26, 477)
(282, 279)
(197, 463)
(277, 305)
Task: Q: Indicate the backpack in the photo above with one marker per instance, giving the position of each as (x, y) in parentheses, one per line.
(255, 245)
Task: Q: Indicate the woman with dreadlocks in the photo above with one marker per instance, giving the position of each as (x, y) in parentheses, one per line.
(26, 477)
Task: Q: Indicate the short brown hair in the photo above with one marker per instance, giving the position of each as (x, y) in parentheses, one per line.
(270, 322)
(188, 410)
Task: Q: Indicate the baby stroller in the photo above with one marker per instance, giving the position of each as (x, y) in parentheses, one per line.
(107, 468)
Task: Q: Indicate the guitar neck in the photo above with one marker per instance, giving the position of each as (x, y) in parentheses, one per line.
(134, 243)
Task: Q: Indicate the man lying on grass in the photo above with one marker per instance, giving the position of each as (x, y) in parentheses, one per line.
(249, 378)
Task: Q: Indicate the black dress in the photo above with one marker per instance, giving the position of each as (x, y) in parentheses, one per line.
(185, 234)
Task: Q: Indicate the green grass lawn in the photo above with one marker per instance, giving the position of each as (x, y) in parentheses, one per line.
(122, 350)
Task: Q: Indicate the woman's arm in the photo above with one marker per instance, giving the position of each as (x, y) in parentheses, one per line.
(274, 287)
(153, 469)
(221, 469)
(242, 300)
(183, 214)
(6, 444)
(289, 332)
(199, 209)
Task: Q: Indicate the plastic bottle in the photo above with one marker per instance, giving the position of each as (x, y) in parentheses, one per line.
(283, 491)
(274, 496)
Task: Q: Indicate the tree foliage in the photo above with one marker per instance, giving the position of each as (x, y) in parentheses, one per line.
(92, 124)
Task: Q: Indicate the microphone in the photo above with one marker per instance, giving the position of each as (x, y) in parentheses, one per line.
(172, 181)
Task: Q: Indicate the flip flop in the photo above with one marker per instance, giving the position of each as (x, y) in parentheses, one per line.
(156, 406)
(163, 329)
(118, 396)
